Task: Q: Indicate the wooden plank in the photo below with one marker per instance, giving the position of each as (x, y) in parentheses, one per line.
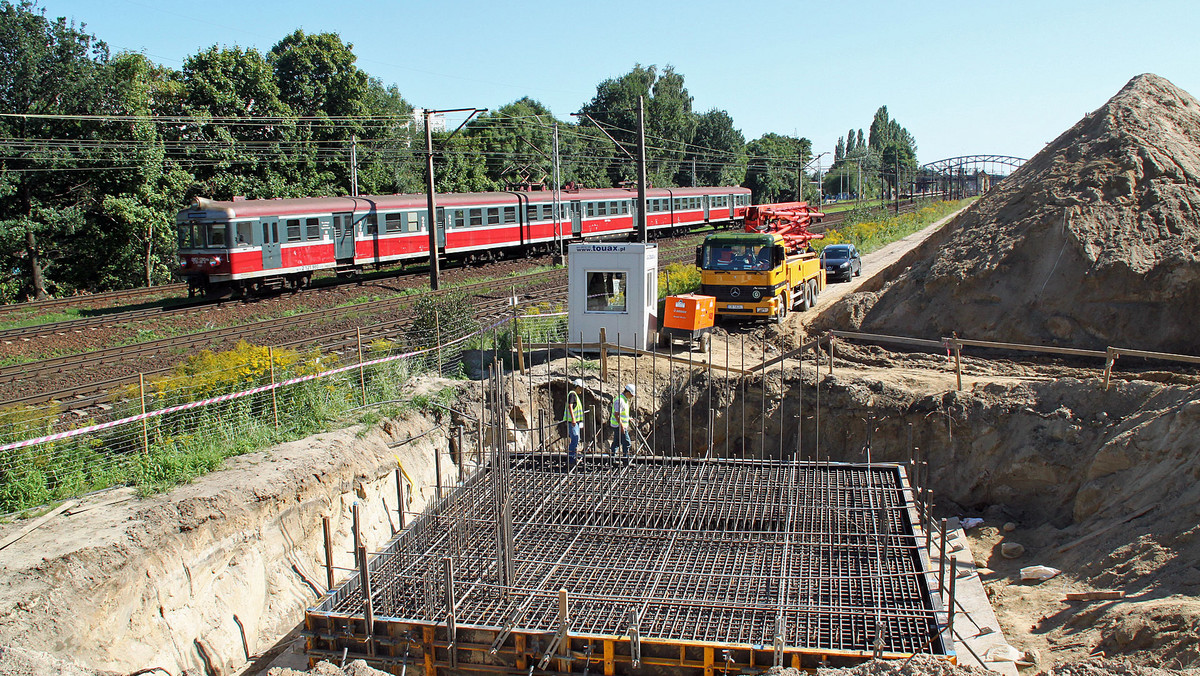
(1156, 355)
(880, 338)
(789, 354)
(29, 528)
(1095, 596)
(1021, 347)
(111, 501)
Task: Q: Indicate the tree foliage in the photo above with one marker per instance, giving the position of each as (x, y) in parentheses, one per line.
(103, 150)
(774, 163)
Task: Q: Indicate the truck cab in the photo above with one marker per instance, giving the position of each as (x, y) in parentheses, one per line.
(753, 275)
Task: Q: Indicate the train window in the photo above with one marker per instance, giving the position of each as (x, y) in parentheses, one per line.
(624, 207)
(493, 214)
(392, 222)
(531, 212)
(293, 230)
(312, 229)
(613, 209)
(476, 217)
(216, 235)
(184, 233)
(591, 209)
(371, 225)
(245, 230)
(602, 208)
(510, 214)
(412, 222)
(547, 212)
(460, 218)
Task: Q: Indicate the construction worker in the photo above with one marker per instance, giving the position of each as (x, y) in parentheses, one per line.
(573, 416)
(619, 421)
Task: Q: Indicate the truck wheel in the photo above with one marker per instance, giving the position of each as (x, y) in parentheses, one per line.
(812, 293)
(705, 343)
(781, 314)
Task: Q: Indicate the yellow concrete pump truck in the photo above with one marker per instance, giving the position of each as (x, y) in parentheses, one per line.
(768, 270)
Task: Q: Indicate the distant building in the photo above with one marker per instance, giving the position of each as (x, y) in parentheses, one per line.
(437, 121)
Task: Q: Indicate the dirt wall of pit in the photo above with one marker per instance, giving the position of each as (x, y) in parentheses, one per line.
(216, 571)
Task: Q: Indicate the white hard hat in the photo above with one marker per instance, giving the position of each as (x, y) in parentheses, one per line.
(630, 389)
(578, 382)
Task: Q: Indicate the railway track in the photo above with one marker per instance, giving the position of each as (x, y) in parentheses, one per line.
(80, 325)
(123, 294)
(533, 287)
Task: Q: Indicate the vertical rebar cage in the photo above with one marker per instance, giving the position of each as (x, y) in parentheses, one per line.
(702, 565)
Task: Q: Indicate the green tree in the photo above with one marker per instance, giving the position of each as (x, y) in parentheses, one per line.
(773, 162)
(46, 68)
(318, 80)
(718, 151)
(670, 124)
(136, 214)
(839, 151)
(244, 134)
(387, 161)
(518, 139)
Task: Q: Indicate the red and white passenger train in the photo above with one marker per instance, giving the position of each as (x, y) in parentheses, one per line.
(251, 245)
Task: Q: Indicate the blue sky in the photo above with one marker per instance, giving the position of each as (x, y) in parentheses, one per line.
(964, 77)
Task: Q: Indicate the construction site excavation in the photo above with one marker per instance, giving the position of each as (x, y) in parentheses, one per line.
(693, 564)
(978, 454)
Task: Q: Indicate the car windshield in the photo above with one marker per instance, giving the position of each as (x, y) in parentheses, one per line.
(837, 252)
(737, 256)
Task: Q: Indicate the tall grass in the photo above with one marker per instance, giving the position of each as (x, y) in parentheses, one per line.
(178, 447)
(870, 231)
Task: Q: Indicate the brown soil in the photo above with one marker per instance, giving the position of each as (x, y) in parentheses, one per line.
(1093, 242)
(222, 567)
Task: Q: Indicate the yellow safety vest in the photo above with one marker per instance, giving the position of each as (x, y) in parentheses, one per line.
(620, 412)
(574, 412)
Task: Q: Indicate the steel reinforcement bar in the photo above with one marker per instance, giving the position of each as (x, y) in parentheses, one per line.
(701, 565)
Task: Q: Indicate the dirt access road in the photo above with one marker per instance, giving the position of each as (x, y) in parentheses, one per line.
(872, 264)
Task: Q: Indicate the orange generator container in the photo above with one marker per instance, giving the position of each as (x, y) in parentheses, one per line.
(689, 316)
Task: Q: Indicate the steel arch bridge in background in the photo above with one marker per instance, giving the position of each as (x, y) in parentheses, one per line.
(965, 175)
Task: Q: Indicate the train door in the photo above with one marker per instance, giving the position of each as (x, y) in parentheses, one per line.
(272, 253)
(575, 208)
(704, 199)
(441, 227)
(343, 236)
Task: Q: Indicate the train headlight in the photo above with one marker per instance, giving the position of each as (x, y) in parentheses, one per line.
(214, 261)
(183, 262)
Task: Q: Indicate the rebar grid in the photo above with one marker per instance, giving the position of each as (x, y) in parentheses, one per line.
(726, 551)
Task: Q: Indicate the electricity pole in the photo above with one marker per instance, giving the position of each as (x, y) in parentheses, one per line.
(641, 167)
(557, 198)
(353, 166)
(432, 223)
(431, 201)
(799, 172)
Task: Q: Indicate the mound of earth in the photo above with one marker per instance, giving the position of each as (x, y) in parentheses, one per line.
(1093, 242)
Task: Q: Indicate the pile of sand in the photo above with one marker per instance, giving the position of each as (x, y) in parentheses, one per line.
(1093, 242)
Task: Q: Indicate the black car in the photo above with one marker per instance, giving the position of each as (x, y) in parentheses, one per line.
(841, 261)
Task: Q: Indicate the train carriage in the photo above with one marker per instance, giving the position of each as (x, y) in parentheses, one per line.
(252, 245)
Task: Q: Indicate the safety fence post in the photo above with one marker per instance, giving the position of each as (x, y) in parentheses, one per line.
(274, 398)
(362, 376)
(437, 327)
(603, 356)
(145, 424)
